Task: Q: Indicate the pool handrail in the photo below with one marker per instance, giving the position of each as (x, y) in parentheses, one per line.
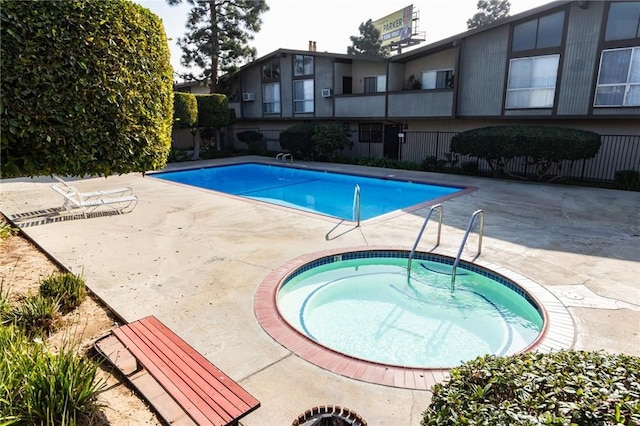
(475, 214)
(283, 156)
(424, 225)
(356, 204)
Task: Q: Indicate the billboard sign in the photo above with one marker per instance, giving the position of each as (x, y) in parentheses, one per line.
(396, 27)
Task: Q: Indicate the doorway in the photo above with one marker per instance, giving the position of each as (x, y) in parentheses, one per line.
(391, 147)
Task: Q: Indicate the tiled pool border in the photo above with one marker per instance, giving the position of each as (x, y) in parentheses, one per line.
(558, 329)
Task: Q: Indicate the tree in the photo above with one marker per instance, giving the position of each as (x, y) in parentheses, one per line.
(368, 43)
(489, 11)
(217, 35)
(86, 88)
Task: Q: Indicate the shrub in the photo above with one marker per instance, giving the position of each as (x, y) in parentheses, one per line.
(329, 140)
(185, 110)
(254, 141)
(545, 147)
(213, 110)
(67, 289)
(39, 387)
(86, 88)
(565, 387)
(297, 139)
(627, 179)
(36, 315)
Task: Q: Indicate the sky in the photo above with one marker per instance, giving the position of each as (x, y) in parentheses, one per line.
(291, 24)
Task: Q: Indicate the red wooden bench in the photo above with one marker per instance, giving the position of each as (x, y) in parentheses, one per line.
(179, 383)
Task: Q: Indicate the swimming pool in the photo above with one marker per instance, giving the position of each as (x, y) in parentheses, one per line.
(321, 192)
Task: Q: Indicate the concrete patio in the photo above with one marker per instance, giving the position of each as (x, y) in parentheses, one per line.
(194, 259)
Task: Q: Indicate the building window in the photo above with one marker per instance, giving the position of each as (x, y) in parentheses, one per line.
(375, 84)
(623, 21)
(303, 96)
(302, 65)
(271, 98)
(442, 79)
(532, 82)
(271, 70)
(539, 33)
(370, 133)
(619, 78)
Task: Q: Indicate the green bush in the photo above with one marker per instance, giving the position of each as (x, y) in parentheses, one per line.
(544, 147)
(329, 140)
(36, 315)
(86, 88)
(559, 388)
(627, 179)
(297, 139)
(67, 289)
(213, 110)
(185, 110)
(38, 387)
(254, 140)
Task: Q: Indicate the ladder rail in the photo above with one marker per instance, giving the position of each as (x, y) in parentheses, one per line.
(355, 209)
(464, 241)
(424, 225)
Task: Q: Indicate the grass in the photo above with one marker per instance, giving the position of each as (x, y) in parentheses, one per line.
(45, 388)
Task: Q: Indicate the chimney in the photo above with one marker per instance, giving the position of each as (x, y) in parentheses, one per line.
(314, 46)
(310, 46)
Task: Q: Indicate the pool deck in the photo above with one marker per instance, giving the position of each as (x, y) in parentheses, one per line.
(197, 259)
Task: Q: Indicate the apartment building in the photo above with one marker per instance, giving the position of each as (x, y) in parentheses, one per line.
(567, 63)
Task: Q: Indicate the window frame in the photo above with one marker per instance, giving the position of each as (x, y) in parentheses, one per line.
(531, 88)
(304, 70)
(267, 70)
(626, 85)
(608, 22)
(380, 82)
(522, 51)
(276, 103)
(309, 96)
(448, 79)
(372, 131)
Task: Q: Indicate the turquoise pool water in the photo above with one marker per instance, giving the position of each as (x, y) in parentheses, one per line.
(371, 308)
(330, 194)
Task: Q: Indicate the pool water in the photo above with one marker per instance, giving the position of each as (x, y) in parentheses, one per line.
(330, 194)
(372, 309)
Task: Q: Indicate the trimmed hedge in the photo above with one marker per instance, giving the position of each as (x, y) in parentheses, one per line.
(213, 110)
(297, 139)
(86, 88)
(545, 147)
(185, 110)
(558, 388)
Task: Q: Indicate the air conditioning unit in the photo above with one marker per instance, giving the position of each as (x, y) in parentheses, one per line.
(326, 93)
(247, 97)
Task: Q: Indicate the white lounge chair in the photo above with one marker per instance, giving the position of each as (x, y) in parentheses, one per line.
(119, 199)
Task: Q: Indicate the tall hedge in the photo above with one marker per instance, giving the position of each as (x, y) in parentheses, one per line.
(185, 110)
(86, 88)
(213, 110)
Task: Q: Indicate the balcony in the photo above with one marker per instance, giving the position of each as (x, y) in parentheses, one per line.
(424, 103)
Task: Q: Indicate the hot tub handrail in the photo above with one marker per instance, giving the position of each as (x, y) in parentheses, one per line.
(464, 241)
(424, 225)
(355, 210)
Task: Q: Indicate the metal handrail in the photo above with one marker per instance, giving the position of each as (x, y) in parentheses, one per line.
(356, 203)
(282, 156)
(464, 241)
(424, 225)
